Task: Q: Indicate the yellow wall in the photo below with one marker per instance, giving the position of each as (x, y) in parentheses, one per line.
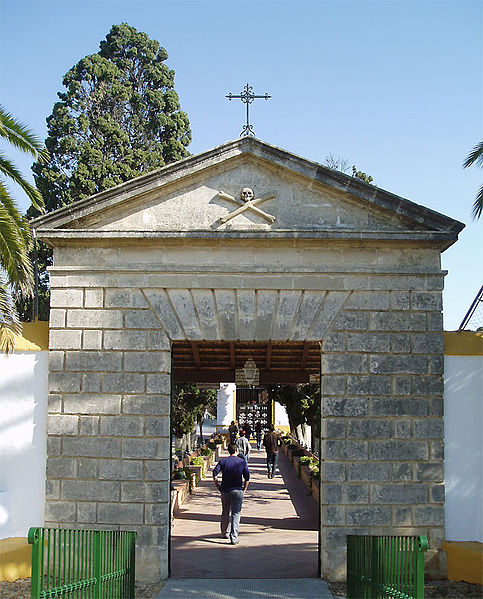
(463, 343)
(35, 337)
(15, 558)
(465, 561)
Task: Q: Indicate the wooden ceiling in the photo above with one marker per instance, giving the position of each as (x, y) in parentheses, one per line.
(216, 361)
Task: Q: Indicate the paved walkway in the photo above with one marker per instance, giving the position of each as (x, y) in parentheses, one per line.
(298, 588)
(277, 556)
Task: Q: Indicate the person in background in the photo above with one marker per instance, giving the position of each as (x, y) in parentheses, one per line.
(243, 446)
(258, 434)
(232, 488)
(248, 430)
(232, 430)
(271, 442)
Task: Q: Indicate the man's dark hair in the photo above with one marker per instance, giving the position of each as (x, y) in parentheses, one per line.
(232, 448)
(271, 427)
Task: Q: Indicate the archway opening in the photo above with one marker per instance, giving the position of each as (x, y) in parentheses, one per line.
(281, 517)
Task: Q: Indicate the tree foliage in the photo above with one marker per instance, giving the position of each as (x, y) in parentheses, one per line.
(476, 157)
(188, 407)
(342, 165)
(337, 164)
(119, 117)
(15, 234)
(302, 403)
(362, 176)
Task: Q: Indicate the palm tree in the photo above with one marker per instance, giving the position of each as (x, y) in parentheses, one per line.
(476, 155)
(15, 234)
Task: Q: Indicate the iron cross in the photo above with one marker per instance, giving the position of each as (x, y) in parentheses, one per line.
(247, 96)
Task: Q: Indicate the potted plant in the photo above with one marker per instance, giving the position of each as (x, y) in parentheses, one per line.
(197, 465)
(304, 468)
(179, 474)
(315, 473)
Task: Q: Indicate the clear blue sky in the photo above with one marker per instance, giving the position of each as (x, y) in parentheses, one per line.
(394, 87)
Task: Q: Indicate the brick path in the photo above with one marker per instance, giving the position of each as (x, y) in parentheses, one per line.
(278, 530)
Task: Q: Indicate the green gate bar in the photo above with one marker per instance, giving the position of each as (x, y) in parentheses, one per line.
(93, 564)
(385, 567)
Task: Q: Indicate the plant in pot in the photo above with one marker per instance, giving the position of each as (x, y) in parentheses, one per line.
(179, 474)
(305, 463)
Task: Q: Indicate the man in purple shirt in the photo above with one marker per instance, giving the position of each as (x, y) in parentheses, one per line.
(234, 483)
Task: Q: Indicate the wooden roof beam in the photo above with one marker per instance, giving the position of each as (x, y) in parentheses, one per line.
(268, 363)
(196, 355)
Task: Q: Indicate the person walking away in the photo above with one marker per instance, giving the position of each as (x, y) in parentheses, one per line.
(233, 430)
(243, 446)
(271, 442)
(235, 478)
(248, 430)
(258, 434)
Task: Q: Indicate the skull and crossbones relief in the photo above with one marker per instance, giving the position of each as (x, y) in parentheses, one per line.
(247, 202)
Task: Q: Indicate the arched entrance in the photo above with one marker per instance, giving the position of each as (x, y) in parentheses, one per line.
(280, 519)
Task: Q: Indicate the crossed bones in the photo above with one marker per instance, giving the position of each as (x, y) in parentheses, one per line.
(247, 203)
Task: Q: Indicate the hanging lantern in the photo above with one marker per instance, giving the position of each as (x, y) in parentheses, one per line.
(250, 371)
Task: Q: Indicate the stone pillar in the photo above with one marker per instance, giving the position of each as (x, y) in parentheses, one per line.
(382, 428)
(108, 424)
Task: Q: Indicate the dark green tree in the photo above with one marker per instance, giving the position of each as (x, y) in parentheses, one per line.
(119, 117)
(188, 406)
(302, 403)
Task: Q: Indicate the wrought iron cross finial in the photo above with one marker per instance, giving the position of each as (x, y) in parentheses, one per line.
(247, 96)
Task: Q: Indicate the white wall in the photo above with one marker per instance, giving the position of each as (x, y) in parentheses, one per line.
(463, 420)
(280, 416)
(23, 412)
(225, 403)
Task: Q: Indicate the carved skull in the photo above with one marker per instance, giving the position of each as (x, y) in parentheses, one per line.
(246, 194)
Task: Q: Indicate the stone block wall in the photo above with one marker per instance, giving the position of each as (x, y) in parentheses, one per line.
(108, 425)
(382, 451)
(382, 361)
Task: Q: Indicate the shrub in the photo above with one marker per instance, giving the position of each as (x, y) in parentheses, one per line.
(198, 461)
(315, 473)
(207, 451)
(306, 460)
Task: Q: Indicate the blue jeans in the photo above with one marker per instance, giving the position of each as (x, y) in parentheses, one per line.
(231, 501)
(272, 462)
(259, 441)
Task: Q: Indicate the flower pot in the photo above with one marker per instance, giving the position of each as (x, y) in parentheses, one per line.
(306, 477)
(198, 471)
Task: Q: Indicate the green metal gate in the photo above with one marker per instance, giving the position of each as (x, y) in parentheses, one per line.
(94, 564)
(385, 567)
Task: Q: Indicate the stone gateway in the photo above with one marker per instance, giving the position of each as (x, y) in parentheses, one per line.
(167, 258)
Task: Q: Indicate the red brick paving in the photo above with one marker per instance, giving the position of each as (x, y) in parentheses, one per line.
(278, 529)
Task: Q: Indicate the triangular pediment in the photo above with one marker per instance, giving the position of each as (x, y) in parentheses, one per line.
(204, 193)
